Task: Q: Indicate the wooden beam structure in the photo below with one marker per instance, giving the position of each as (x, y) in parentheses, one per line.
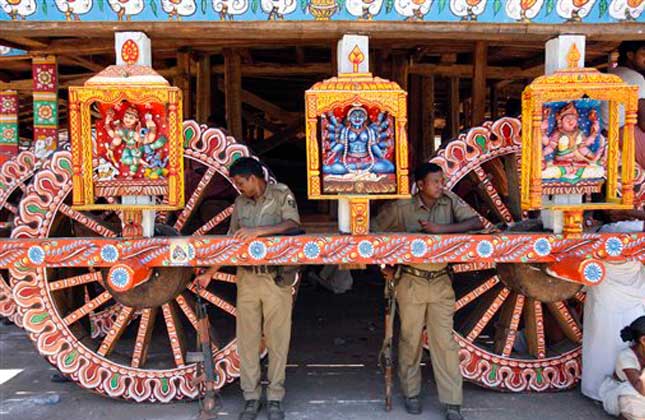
(182, 80)
(427, 117)
(233, 93)
(204, 91)
(303, 32)
(453, 107)
(480, 56)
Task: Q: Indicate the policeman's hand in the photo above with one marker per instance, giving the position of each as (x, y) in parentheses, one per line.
(429, 227)
(204, 279)
(246, 234)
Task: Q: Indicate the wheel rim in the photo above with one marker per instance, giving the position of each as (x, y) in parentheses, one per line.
(492, 312)
(15, 175)
(123, 353)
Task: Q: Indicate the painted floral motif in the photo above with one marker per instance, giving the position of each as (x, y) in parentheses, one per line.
(119, 277)
(542, 247)
(419, 248)
(109, 253)
(365, 249)
(178, 8)
(257, 250)
(626, 9)
(614, 247)
(36, 254)
(45, 78)
(592, 271)
(125, 9)
(484, 249)
(467, 9)
(311, 250)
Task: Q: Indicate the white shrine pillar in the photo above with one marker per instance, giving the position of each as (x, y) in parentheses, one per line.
(133, 48)
(556, 59)
(345, 47)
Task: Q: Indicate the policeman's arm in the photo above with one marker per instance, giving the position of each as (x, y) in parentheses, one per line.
(387, 219)
(473, 223)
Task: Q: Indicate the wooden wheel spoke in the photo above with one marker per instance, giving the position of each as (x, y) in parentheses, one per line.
(75, 281)
(214, 221)
(87, 308)
(11, 208)
(565, 319)
(217, 301)
(477, 292)
(86, 221)
(119, 326)
(534, 323)
(144, 334)
(473, 266)
(580, 297)
(484, 313)
(509, 321)
(194, 199)
(174, 333)
(225, 277)
(493, 196)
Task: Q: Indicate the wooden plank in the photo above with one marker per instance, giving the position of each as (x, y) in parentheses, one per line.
(204, 92)
(453, 104)
(479, 83)
(272, 111)
(308, 31)
(22, 43)
(233, 93)
(182, 80)
(427, 116)
(400, 69)
(276, 70)
(415, 138)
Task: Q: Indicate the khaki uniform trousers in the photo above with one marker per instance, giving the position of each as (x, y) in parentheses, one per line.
(262, 307)
(429, 303)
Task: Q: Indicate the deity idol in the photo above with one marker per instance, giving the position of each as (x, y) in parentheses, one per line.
(358, 146)
(134, 138)
(570, 154)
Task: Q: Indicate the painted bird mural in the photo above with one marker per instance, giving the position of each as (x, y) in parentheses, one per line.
(523, 10)
(574, 10)
(74, 8)
(627, 10)
(277, 9)
(413, 9)
(126, 8)
(177, 9)
(18, 9)
(467, 9)
(228, 9)
(364, 9)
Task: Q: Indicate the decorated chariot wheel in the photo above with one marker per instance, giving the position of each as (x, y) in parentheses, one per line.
(15, 175)
(140, 352)
(518, 328)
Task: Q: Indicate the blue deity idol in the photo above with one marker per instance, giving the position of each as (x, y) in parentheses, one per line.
(359, 146)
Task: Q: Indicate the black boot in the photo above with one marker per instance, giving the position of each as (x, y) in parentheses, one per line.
(453, 412)
(275, 411)
(413, 405)
(251, 410)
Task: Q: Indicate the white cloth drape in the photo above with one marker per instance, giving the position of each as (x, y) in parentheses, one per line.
(609, 307)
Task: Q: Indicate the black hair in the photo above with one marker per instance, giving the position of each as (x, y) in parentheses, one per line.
(634, 331)
(245, 167)
(424, 169)
(627, 47)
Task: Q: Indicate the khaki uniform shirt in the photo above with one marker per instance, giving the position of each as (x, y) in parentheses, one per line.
(404, 216)
(277, 205)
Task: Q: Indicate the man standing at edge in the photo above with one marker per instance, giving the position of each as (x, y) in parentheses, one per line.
(263, 306)
(424, 292)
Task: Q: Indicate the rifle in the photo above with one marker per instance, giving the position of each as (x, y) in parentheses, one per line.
(385, 355)
(205, 375)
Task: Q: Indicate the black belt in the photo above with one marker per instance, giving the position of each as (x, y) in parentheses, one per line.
(262, 269)
(423, 274)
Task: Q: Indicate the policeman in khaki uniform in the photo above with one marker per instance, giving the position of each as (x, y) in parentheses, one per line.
(424, 292)
(263, 305)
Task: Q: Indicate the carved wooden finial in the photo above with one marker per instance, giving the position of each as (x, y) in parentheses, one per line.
(573, 56)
